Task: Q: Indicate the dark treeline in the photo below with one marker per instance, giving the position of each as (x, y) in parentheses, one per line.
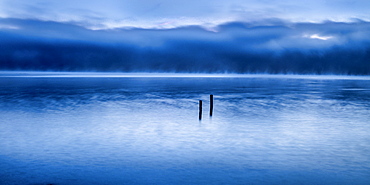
(180, 58)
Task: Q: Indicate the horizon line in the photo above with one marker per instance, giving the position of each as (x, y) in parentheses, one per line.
(69, 74)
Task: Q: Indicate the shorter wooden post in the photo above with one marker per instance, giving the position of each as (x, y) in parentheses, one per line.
(210, 105)
(200, 109)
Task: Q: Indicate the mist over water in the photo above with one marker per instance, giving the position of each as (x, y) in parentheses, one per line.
(145, 130)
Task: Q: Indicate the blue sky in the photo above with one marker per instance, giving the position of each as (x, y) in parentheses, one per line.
(234, 36)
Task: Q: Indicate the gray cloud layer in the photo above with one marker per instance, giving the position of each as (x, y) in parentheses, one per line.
(239, 47)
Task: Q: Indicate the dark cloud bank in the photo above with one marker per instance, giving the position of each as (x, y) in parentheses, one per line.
(237, 47)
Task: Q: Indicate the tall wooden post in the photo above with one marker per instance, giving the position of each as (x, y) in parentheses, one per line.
(211, 105)
(200, 109)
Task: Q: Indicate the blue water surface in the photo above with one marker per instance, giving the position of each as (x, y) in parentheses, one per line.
(265, 129)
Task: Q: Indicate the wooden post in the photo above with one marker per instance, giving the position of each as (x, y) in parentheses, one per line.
(211, 105)
(200, 109)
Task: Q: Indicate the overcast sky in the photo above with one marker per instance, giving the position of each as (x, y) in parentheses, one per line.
(98, 14)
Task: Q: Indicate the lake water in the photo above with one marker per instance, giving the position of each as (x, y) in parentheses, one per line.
(132, 129)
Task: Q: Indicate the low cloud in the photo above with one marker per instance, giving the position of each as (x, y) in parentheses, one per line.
(275, 46)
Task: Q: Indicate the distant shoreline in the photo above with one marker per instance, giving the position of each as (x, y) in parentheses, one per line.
(39, 74)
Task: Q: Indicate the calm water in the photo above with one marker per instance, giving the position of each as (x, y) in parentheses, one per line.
(131, 130)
